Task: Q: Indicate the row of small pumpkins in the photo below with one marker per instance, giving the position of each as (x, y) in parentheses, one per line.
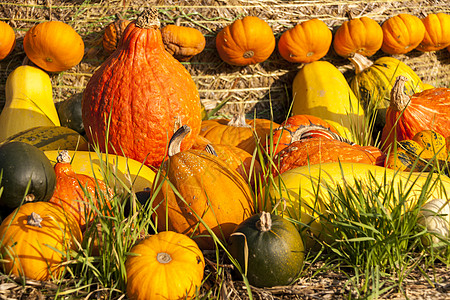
(141, 116)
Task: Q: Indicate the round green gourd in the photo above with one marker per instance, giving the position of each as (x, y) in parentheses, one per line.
(275, 250)
(20, 164)
(69, 112)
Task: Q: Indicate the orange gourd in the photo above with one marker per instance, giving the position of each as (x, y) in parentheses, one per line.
(402, 33)
(7, 39)
(246, 41)
(182, 42)
(207, 188)
(362, 35)
(113, 33)
(306, 42)
(238, 131)
(140, 96)
(76, 193)
(293, 129)
(54, 46)
(437, 32)
(328, 147)
(408, 115)
(35, 238)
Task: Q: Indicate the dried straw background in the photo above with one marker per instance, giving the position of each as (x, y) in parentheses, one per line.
(260, 87)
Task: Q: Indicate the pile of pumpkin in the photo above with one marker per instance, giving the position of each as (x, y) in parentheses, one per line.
(142, 111)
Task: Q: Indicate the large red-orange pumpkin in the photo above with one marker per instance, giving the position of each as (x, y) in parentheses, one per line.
(406, 116)
(140, 95)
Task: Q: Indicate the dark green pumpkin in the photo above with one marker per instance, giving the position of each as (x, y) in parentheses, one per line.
(22, 164)
(275, 250)
(69, 112)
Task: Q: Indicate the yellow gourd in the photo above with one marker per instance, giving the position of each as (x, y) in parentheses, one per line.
(126, 171)
(29, 102)
(320, 89)
(296, 195)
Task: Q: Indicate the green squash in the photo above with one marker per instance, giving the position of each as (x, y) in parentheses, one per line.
(275, 250)
(22, 164)
(69, 112)
(373, 81)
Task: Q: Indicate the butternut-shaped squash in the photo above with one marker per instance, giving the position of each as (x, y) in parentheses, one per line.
(29, 102)
(125, 171)
(320, 89)
(305, 190)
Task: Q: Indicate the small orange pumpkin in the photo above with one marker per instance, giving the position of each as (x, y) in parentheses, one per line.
(246, 41)
(34, 238)
(437, 32)
(54, 46)
(167, 265)
(113, 33)
(70, 191)
(7, 39)
(182, 42)
(306, 42)
(362, 35)
(402, 33)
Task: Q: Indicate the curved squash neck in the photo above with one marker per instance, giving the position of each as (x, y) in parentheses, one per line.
(360, 62)
(399, 100)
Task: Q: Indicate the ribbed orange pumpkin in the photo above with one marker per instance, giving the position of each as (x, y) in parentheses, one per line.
(293, 129)
(437, 32)
(328, 147)
(54, 46)
(238, 131)
(306, 42)
(362, 35)
(207, 188)
(7, 39)
(113, 33)
(406, 116)
(70, 191)
(146, 93)
(182, 42)
(402, 33)
(246, 41)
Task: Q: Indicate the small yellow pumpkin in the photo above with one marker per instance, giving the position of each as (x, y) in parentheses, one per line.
(402, 33)
(437, 32)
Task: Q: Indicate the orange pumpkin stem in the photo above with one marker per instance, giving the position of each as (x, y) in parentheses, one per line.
(176, 139)
(238, 120)
(399, 100)
(34, 219)
(360, 62)
(265, 222)
(148, 19)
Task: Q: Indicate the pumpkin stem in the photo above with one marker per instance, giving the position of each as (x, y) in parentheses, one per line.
(34, 220)
(248, 54)
(163, 258)
(265, 222)
(360, 62)
(176, 139)
(210, 149)
(238, 120)
(148, 19)
(304, 132)
(399, 100)
(63, 157)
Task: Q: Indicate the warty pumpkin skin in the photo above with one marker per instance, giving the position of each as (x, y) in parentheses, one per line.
(28, 239)
(306, 42)
(7, 38)
(70, 191)
(211, 191)
(362, 35)
(408, 115)
(147, 93)
(167, 266)
(54, 46)
(246, 41)
(437, 32)
(402, 33)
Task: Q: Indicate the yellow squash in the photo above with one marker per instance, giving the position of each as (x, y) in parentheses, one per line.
(29, 102)
(320, 89)
(297, 192)
(125, 171)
